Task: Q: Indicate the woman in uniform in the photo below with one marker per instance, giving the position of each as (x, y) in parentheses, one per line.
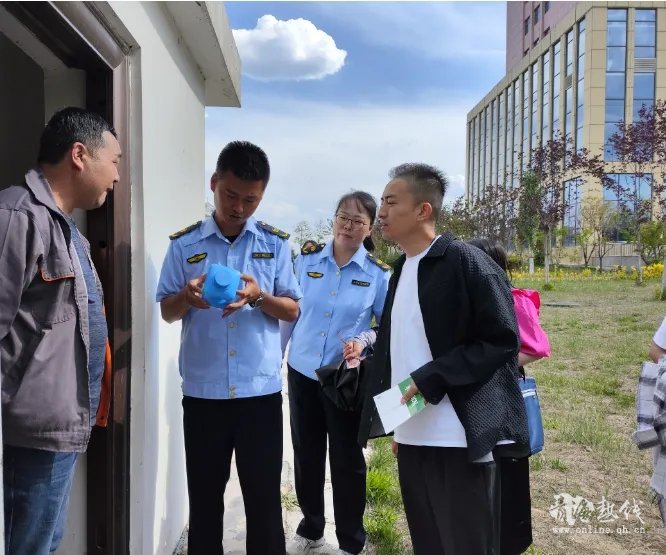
(344, 287)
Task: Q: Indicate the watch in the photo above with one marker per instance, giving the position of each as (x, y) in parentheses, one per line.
(259, 300)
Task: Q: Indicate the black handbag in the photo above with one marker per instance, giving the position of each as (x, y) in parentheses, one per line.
(342, 385)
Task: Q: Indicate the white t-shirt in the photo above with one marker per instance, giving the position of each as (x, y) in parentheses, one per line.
(436, 425)
(660, 337)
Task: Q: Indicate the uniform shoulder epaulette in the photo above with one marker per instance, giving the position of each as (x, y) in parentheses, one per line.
(310, 247)
(185, 230)
(376, 261)
(274, 230)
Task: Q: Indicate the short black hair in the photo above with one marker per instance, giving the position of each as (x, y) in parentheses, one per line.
(427, 183)
(368, 204)
(245, 160)
(69, 126)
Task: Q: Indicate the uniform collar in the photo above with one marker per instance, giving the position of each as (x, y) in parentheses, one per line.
(359, 256)
(209, 227)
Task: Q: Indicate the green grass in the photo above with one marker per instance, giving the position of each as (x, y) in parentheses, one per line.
(384, 517)
(587, 392)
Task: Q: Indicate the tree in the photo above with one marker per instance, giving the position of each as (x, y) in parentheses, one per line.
(585, 240)
(302, 232)
(458, 218)
(552, 163)
(599, 218)
(323, 229)
(494, 214)
(653, 236)
(529, 208)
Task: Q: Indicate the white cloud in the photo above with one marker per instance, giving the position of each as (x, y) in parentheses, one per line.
(320, 151)
(292, 50)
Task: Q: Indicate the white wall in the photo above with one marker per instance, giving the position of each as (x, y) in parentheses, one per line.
(167, 159)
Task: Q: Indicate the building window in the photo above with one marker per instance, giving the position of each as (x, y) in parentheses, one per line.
(643, 92)
(556, 88)
(508, 144)
(526, 27)
(546, 31)
(644, 47)
(545, 98)
(546, 7)
(535, 105)
(487, 173)
(645, 33)
(526, 117)
(640, 185)
(580, 86)
(537, 15)
(571, 220)
(501, 138)
(516, 130)
(568, 86)
(616, 57)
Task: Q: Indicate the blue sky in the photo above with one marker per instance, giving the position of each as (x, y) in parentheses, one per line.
(337, 93)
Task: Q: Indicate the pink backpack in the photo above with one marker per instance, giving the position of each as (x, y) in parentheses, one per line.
(533, 340)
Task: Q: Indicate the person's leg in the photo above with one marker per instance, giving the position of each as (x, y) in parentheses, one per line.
(348, 473)
(208, 429)
(308, 436)
(259, 462)
(414, 485)
(36, 484)
(516, 513)
(63, 513)
(464, 501)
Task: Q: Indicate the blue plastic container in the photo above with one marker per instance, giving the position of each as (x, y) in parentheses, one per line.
(221, 285)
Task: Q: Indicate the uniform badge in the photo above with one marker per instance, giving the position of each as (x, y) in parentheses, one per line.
(360, 283)
(315, 274)
(263, 255)
(197, 257)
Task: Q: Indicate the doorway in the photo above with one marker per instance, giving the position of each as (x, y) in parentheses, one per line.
(54, 55)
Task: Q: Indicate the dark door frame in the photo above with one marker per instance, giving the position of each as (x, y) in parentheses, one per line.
(78, 34)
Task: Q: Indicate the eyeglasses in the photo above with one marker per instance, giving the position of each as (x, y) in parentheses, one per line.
(344, 220)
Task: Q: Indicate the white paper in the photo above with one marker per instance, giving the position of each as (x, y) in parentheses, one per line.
(391, 411)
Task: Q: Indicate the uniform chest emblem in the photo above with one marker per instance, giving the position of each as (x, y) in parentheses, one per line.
(360, 283)
(315, 275)
(197, 257)
(263, 255)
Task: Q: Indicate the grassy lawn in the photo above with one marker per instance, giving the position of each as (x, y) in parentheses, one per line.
(587, 391)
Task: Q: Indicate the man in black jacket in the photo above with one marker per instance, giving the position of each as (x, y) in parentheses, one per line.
(452, 328)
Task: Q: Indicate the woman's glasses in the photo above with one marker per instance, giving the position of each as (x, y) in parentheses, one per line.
(344, 220)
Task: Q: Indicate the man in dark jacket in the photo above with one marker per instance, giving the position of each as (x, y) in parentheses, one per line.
(452, 329)
(53, 333)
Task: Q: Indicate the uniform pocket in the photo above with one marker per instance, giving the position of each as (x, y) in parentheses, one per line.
(50, 296)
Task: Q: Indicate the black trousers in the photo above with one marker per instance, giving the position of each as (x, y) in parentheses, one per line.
(214, 429)
(313, 418)
(452, 505)
(516, 518)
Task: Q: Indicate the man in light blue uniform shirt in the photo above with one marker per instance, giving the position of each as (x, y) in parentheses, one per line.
(230, 359)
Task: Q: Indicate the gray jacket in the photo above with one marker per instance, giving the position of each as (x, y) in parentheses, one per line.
(43, 323)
